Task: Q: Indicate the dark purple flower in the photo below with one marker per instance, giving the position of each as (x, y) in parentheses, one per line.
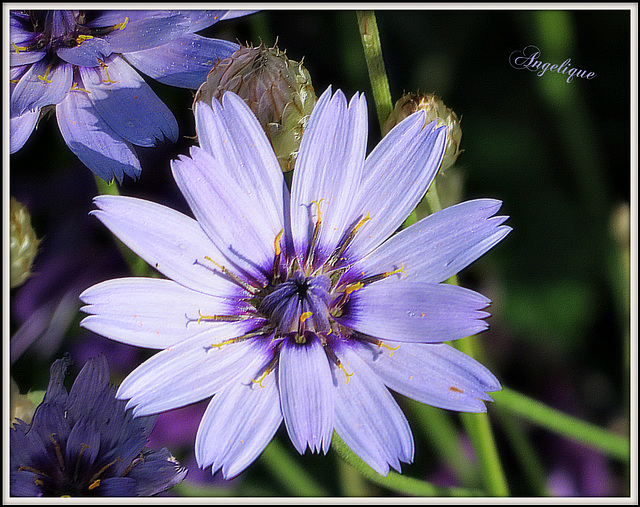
(84, 443)
(300, 306)
(82, 62)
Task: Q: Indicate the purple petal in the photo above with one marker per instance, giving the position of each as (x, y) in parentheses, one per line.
(440, 245)
(238, 424)
(20, 129)
(150, 312)
(328, 171)
(127, 104)
(184, 62)
(406, 311)
(367, 417)
(237, 13)
(306, 394)
(192, 369)
(436, 374)
(21, 37)
(86, 54)
(98, 147)
(145, 32)
(43, 84)
(396, 176)
(232, 216)
(83, 443)
(171, 242)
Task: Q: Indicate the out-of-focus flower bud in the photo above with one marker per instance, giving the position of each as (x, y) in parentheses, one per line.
(21, 406)
(435, 110)
(277, 90)
(23, 243)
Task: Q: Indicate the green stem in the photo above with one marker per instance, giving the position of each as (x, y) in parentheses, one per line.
(375, 64)
(286, 471)
(613, 445)
(395, 481)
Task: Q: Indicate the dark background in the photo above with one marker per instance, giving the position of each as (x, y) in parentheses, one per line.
(556, 153)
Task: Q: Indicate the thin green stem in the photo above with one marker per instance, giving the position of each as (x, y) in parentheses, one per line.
(286, 471)
(612, 444)
(375, 64)
(395, 481)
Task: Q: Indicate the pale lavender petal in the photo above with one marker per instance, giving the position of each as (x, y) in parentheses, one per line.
(396, 176)
(368, 419)
(230, 215)
(42, 84)
(328, 172)
(87, 54)
(192, 370)
(236, 14)
(20, 129)
(87, 135)
(127, 104)
(406, 311)
(238, 424)
(440, 245)
(436, 374)
(306, 394)
(183, 62)
(233, 136)
(151, 312)
(169, 241)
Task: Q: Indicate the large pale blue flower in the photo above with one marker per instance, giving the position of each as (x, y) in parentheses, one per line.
(300, 306)
(84, 443)
(82, 63)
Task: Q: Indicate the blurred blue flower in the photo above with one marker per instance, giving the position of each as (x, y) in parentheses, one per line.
(84, 443)
(80, 62)
(300, 306)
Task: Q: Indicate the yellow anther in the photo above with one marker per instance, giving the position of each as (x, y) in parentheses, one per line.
(277, 242)
(353, 287)
(262, 377)
(349, 375)
(94, 484)
(106, 71)
(317, 203)
(120, 26)
(397, 271)
(19, 48)
(305, 316)
(390, 349)
(361, 223)
(46, 73)
(82, 38)
(221, 344)
(76, 88)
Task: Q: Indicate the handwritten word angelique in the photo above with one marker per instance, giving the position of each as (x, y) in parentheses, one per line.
(529, 58)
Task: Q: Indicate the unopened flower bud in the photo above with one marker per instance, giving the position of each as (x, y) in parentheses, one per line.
(277, 90)
(23, 243)
(435, 110)
(21, 406)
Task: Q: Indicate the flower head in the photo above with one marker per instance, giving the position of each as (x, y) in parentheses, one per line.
(84, 443)
(82, 63)
(300, 306)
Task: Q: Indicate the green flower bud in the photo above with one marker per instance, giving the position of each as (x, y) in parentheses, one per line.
(435, 110)
(277, 90)
(23, 243)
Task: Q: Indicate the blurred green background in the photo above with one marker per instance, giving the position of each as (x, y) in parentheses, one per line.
(556, 153)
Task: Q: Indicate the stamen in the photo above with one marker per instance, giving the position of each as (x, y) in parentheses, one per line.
(374, 278)
(121, 26)
(94, 484)
(237, 339)
(305, 316)
(235, 278)
(314, 238)
(19, 48)
(81, 38)
(276, 260)
(341, 366)
(134, 462)
(94, 479)
(220, 318)
(46, 73)
(56, 446)
(76, 88)
(337, 253)
(106, 71)
(391, 349)
(270, 367)
(353, 287)
(331, 355)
